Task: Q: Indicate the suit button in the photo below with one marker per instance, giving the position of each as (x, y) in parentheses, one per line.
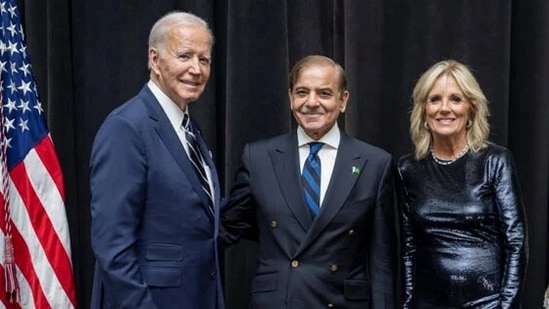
(334, 268)
(273, 224)
(295, 263)
(212, 275)
(351, 232)
(331, 306)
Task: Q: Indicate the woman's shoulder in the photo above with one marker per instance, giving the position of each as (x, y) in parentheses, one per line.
(409, 157)
(495, 157)
(497, 149)
(495, 152)
(406, 162)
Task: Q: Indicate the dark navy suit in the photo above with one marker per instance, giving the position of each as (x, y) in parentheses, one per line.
(152, 234)
(343, 258)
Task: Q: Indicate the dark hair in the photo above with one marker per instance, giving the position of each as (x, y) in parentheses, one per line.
(320, 61)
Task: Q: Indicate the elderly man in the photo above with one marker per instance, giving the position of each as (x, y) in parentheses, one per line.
(320, 204)
(155, 191)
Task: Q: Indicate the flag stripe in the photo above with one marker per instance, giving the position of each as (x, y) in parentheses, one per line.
(33, 262)
(46, 152)
(48, 193)
(43, 228)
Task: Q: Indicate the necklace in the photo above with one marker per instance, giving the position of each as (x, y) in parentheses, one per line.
(448, 162)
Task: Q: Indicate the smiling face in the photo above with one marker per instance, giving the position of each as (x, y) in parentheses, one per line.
(181, 66)
(316, 99)
(447, 111)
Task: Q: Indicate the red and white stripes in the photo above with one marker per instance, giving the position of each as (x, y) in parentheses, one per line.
(40, 233)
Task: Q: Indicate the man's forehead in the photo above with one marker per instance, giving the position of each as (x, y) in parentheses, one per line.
(330, 86)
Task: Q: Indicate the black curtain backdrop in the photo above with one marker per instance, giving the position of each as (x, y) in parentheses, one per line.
(91, 56)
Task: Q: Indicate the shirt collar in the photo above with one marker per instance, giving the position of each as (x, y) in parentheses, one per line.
(331, 138)
(174, 113)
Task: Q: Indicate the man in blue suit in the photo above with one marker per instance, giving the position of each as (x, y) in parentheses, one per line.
(320, 204)
(155, 191)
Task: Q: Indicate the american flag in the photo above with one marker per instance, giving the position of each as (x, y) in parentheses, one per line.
(33, 220)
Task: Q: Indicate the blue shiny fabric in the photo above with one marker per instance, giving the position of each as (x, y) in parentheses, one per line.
(463, 231)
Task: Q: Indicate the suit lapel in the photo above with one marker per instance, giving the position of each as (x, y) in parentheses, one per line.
(344, 176)
(167, 134)
(285, 160)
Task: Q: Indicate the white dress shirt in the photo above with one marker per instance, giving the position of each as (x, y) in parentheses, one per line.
(175, 115)
(327, 155)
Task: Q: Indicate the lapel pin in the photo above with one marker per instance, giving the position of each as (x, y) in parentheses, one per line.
(355, 170)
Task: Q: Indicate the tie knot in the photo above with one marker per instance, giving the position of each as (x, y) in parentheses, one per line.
(186, 122)
(315, 147)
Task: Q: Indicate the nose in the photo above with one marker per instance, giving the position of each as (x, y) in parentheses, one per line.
(445, 106)
(194, 66)
(312, 99)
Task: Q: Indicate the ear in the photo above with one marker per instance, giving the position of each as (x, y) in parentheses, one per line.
(470, 119)
(343, 101)
(290, 97)
(153, 59)
(471, 115)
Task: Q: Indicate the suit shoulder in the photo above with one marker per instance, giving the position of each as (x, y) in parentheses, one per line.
(133, 109)
(134, 113)
(127, 119)
(369, 149)
(269, 142)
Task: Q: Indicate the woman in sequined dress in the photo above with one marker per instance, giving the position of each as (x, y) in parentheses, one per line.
(463, 223)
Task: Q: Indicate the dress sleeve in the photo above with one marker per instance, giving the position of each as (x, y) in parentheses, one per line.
(407, 241)
(513, 228)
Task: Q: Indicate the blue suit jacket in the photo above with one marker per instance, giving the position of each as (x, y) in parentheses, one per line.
(343, 258)
(153, 238)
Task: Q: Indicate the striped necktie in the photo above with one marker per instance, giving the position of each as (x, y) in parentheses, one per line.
(311, 178)
(197, 159)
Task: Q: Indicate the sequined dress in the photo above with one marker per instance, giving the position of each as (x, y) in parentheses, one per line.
(463, 231)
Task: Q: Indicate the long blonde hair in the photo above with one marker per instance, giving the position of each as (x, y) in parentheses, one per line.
(478, 129)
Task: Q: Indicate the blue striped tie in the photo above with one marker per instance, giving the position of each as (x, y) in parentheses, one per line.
(311, 178)
(197, 159)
